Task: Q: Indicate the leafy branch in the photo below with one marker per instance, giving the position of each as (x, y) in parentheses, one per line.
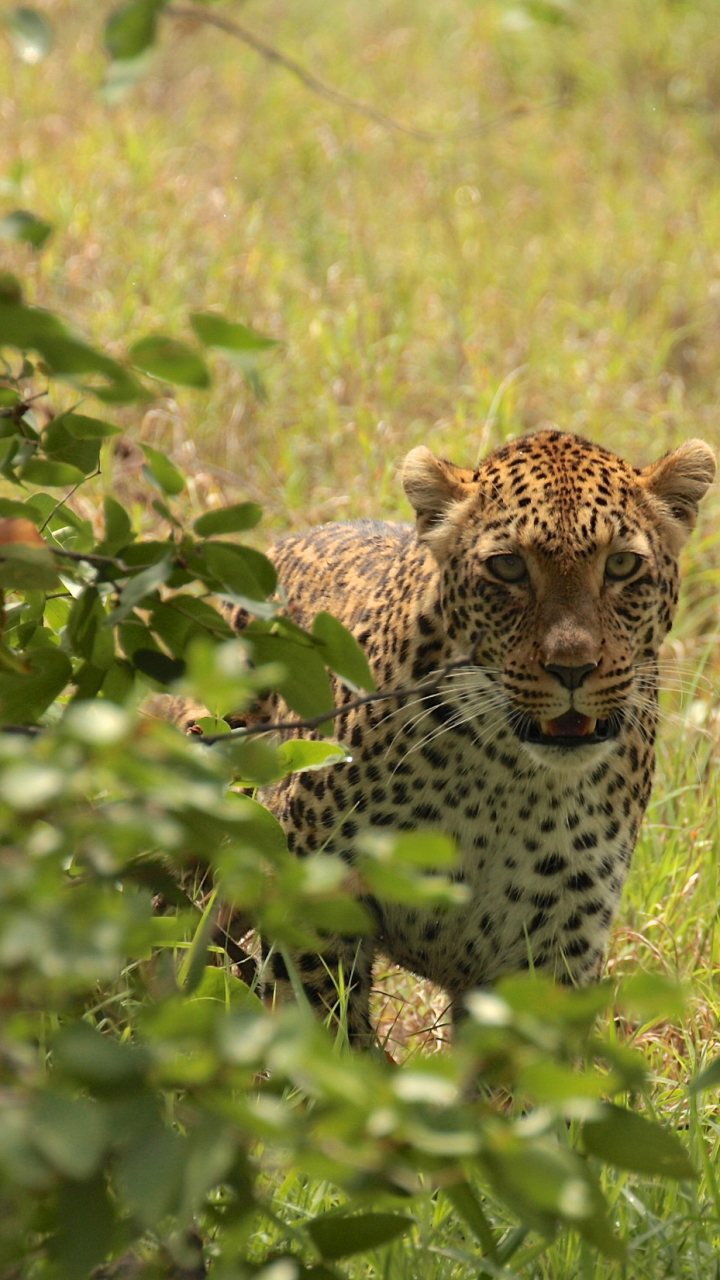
(425, 687)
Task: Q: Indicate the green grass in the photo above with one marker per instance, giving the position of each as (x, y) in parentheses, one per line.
(562, 266)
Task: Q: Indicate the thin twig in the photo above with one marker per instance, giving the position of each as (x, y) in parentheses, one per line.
(313, 722)
(93, 559)
(271, 54)
(67, 497)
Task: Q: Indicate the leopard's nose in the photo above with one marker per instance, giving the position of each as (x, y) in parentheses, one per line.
(570, 677)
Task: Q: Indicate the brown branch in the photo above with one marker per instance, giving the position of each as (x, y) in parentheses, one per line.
(93, 559)
(314, 722)
(273, 55)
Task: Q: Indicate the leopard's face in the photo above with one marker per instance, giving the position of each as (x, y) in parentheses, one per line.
(560, 578)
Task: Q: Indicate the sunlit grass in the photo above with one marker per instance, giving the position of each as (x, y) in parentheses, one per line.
(563, 266)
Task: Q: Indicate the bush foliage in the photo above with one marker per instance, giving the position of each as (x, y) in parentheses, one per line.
(151, 1102)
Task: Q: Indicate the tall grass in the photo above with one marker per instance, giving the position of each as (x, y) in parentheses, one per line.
(560, 265)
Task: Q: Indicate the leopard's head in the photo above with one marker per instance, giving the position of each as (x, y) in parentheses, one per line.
(559, 571)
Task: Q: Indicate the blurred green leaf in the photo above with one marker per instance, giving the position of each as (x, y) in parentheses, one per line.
(245, 515)
(150, 1173)
(84, 1219)
(143, 584)
(98, 1061)
(426, 849)
(342, 652)
(556, 13)
(70, 1132)
(21, 225)
(83, 427)
(214, 331)
(305, 687)
(339, 1235)
(23, 698)
(301, 754)
(62, 445)
(466, 1203)
(10, 289)
(122, 75)
(27, 568)
(56, 475)
(171, 360)
(158, 666)
(30, 33)
(242, 570)
(165, 475)
(629, 1141)
(118, 528)
(34, 329)
(132, 27)
(651, 995)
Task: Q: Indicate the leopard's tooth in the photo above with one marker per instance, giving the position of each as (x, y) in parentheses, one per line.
(592, 724)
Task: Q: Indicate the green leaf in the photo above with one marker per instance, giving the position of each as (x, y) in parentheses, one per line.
(55, 475)
(158, 666)
(30, 33)
(118, 528)
(629, 1141)
(150, 1173)
(21, 225)
(242, 570)
(122, 75)
(162, 471)
(305, 687)
(32, 328)
(63, 446)
(96, 1060)
(258, 828)
(84, 1226)
(427, 849)
(556, 13)
(183, 618)
(70, 1132)
(24, 697)
(215, 331)
(299, 754)
(651, 995)
(132, 27)
(141, 585)
(338, 1235)
(245, 515)
(83, 427)
(170, 360)
(24, 567)
(339, 914)
(467, 1205)
(10, 290)
(342, 652)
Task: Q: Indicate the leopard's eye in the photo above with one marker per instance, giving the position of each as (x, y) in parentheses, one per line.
(507, 568)
(621, 565)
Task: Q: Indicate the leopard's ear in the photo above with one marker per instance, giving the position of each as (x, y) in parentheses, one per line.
(433, 486)
(677, 483)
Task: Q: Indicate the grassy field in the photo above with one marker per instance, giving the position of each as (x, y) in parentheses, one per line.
(551, 255)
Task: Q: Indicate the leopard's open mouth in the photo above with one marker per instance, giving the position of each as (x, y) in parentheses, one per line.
(572, 729)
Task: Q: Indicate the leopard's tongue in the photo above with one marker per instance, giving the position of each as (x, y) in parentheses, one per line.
(570, 725)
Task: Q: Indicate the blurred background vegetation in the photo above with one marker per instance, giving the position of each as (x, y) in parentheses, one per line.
(552, 256)
(550, 253)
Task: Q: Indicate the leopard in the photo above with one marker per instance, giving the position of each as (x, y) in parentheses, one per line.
(525, 610)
